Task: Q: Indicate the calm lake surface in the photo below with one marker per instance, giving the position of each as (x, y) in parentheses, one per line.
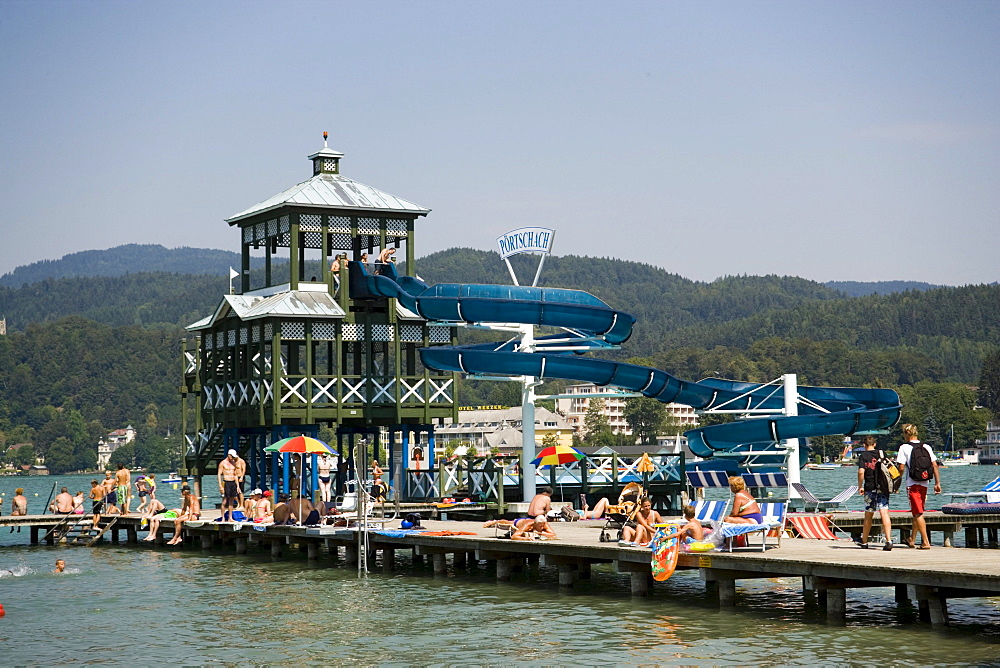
(120, 605)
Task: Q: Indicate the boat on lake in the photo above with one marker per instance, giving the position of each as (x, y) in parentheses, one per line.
(171, 477)
(823, 467)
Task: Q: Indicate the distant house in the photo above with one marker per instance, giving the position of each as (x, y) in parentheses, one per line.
(575, 409)
(480, 431)
(107, 446)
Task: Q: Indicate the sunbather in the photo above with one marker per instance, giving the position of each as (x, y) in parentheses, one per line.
(745, 508)
(533, 529)
(692, 531)
(189, 510)
(643, 531)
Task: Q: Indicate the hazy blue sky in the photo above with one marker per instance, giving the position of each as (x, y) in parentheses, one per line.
(829, 140)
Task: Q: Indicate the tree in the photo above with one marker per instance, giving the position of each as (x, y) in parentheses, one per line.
(59, 458)
(989, 382)
(646, 417)
(596, 425)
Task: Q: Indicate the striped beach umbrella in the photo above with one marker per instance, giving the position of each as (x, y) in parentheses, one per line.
(300, 444)
(557, 454)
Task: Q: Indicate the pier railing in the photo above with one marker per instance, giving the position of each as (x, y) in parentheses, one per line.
(498, 480)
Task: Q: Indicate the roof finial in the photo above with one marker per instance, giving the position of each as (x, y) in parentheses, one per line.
(325, 136)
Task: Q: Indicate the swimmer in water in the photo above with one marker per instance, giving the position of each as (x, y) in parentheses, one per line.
(60, 566)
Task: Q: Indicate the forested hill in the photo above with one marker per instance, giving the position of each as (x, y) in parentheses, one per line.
(950, 330)
(127, 259)
(859, 289)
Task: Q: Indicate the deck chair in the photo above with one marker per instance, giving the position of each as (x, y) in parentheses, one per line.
(707, 512)
(708, 478)
(989, 493)
(818, 504)
(812, 526)
(623, 513)
(774, 523)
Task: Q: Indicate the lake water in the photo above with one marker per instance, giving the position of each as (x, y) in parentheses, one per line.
(152, 605)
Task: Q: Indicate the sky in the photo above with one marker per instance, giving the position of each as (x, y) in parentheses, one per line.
(827, 140)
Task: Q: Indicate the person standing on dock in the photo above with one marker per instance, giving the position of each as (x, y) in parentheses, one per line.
(875, 489)
(918, 471)
(230, 474)
(123, 480)
(97, 494)
(110, 497)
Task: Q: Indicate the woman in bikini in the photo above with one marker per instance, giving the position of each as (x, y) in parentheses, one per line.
(745, 508)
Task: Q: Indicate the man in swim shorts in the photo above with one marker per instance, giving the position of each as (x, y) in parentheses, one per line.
(230, 475)
(123, 478)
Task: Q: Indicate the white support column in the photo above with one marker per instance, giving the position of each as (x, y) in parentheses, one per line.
(792, 444)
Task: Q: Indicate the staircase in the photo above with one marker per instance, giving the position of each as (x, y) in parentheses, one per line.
(83, 532)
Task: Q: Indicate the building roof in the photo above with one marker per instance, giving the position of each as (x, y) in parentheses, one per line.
(511, 415)
(294, 303)
(333, 191)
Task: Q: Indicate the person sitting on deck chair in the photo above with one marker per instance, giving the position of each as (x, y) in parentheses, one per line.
(745, 508)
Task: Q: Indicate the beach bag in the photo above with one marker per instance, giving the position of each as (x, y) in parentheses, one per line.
(568, 514)
(891, 472)
(921, 466)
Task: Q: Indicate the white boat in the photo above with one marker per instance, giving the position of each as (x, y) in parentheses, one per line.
(823, 467)
(171, 477)
(948, 463)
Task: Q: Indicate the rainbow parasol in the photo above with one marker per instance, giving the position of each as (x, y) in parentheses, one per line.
(557, 454)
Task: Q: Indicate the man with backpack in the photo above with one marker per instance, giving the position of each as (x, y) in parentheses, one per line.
(920, 466)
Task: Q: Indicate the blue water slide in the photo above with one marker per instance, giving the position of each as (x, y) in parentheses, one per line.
(823, 411)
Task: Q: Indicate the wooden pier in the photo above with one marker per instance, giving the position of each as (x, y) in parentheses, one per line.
(827, 569)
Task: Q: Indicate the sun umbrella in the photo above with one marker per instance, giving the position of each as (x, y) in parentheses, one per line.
(557, 454)
(645, 464)
(303, 445)
(300, 444)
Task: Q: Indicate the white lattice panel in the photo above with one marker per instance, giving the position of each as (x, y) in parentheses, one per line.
(438, 334)
(283, 224)
(396, 226)
(353, 332)
(255, 334)
(310, 222)
(272, 227)
(329, 164)
(381, 332)
(209, 342)
(260, 231)
(268, 331)
(293, 330)
(247, 234)
(231, 338)
(324, 331)
(219, 340)
(243, 336)
(411, 333)
(340, 241)
(312, 240)
(368, 225)
(340, 224)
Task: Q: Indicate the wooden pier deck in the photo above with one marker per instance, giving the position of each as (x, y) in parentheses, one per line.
(827, 568)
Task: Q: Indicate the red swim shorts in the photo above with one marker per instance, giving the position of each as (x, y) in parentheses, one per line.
(918, 497)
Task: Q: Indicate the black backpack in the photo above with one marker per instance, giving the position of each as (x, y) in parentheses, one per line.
(921, 465)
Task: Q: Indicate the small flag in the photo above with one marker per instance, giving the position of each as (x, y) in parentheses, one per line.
(233, 273)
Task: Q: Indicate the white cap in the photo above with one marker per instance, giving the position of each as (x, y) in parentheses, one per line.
(256, 491)
(233, 453)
